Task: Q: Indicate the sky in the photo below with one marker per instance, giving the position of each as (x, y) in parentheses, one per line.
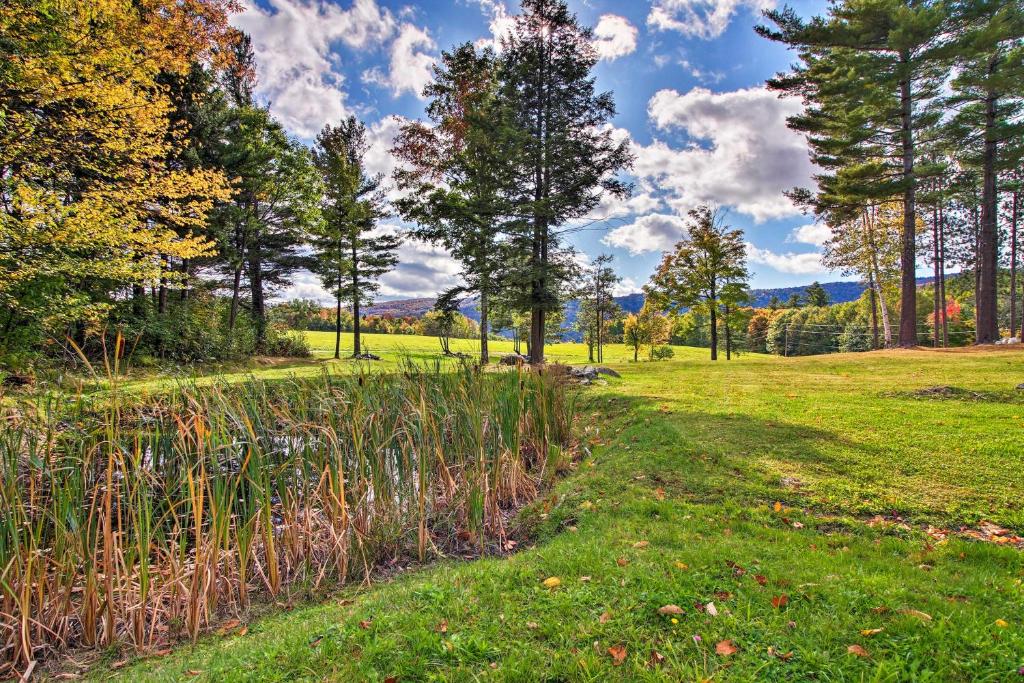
(688, 79)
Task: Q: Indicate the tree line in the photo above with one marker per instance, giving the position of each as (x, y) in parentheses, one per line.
(143, 189)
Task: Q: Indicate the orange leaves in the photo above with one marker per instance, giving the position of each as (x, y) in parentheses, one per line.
(659, 493)
(726, 648)
(605, 617)
(640, 545)
(618, 654)
(552, 582)
(868, 632)
(622, 561)
(857, 650)
(780, 601)
(670, 610)
(365, 624)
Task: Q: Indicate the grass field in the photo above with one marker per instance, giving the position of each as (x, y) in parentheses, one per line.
(748, 485)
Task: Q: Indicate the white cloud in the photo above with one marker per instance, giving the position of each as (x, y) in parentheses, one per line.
(614, 37)
(411, 62)
(500, 25)
(654, 232)
(700, 18)
(292, 40)
(748, 160)
(796, 264)
(700, 74)
(625, 286)
(816, 233)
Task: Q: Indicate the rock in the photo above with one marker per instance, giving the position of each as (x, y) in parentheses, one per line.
(1020, 387)
(366, 356)
(608, 371)
(586, 372)
(513, 359)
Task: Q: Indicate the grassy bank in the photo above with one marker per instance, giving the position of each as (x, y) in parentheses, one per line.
(748, 485)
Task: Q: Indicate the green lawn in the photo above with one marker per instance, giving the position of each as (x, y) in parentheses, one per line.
(677, 505)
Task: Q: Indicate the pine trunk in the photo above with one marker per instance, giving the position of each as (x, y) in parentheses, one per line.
(987, 301)
(259, 310)
(484, 351)
(908, 256)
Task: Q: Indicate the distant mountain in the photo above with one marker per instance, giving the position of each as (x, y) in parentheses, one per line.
(838, 293)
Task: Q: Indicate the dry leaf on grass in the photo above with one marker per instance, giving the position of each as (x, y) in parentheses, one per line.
(682, 565)
(442, 626)
(780, 601)
(622, 561)
(659, 493)
(670, 609)
(726, 648)
(618, 654)
(639, 545)
(916, 613)
(857, 650)
(656, 659)
(868, 632)
(711, 609)
(365, 624)
(761, 579)
(604, 618)
(552, 582)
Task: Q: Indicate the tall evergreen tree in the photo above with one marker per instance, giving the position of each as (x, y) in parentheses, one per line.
(566, 156)
(868, 76)
(350, 199)
(988, 97)
(455, 171)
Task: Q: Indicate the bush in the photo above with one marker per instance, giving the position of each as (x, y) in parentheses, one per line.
(662, 352)
(288, 345)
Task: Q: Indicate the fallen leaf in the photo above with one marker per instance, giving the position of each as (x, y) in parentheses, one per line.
(798, 525)
(881, 609)
(656, 659)
(868, 632)
(316, 641)
(857, 650)
(682, 565)
(552, 582)
(193, 672)
(778, 506)
(585, 579)
(228, 626)
(1001, 623)
(532, 625)
(640, 545)
(670, 609)
(711, 609)
(365, 624)
(242, 631)
(605, 617)
(780, 601)
(618, 653)
(659, 493)
(391, 679)
(586, 505)
(622, 561)
(726, 648)
(784, 656)
(916, 613)
(761, 579)
(442, 626)
(724, 596)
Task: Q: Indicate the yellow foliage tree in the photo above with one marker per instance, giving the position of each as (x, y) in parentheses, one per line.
(87, 191)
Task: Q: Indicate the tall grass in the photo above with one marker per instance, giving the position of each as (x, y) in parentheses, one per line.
(143, 520)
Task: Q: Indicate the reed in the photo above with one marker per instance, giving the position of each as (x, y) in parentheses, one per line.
(146, 519)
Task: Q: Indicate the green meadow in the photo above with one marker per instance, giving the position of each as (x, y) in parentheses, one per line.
(754, 520)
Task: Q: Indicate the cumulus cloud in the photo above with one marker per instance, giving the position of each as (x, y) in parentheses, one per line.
(746, 157)
(411, 62)
(501, 22)
(795, 264)
(614, 37)
(292, 40)
(700, 18)
(653, 232)
(816, 233)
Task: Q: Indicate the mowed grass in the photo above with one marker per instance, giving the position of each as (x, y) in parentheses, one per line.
(677, 505)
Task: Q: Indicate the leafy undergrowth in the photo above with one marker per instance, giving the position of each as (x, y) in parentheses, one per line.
(726, 529)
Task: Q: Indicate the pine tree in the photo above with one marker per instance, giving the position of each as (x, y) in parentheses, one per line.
(349, 198)
(988, 97)
(869, 75)
(350, 252)
(564, 157)
(816, 295)
(706, 269)
(455, 171)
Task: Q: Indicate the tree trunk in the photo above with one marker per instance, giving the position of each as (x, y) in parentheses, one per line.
(728, 334)
(1013, 265)
(259, 310)
(714, 333)
(987, 301)
(484, 351)
(873, 251)
(937, 306)
(942, 274)
(874, 309)
(337, 320)
(235, 287)
(908, 255)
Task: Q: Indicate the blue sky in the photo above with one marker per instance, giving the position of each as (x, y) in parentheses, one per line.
(688, 80)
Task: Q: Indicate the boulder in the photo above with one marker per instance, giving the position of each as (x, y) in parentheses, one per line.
(513, 359)
(608, 371)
